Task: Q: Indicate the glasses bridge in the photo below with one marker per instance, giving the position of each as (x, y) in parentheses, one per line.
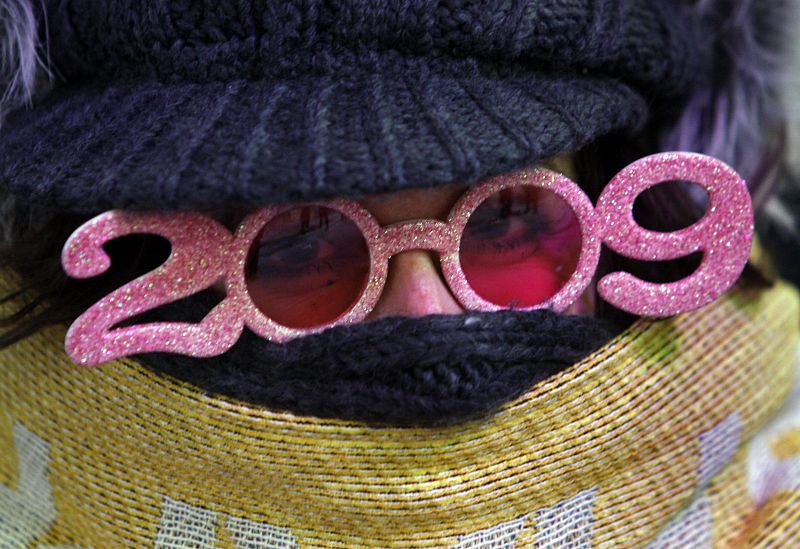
(427, 234)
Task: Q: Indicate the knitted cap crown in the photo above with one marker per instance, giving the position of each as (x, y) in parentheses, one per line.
(170, 41)
(177, 104)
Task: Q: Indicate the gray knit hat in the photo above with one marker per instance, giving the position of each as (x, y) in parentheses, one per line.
(179, 104)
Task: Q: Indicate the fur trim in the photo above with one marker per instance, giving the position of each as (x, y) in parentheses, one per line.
(20, 62)
(735, 112)
(24, 74)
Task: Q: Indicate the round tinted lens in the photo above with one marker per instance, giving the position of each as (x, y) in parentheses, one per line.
(307, 267)
(520, 246)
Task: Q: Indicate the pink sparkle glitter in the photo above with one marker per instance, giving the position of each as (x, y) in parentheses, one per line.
(546, 179)
(204, 252)
(724, 234)
(200, 247)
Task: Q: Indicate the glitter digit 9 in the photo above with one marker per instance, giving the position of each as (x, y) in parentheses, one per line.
(195, 263)
(724, 234)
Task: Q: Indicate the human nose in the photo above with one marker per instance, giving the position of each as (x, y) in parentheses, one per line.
(414, 287)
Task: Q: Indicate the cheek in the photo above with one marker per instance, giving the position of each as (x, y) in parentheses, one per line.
(521, 284)
(307, 307)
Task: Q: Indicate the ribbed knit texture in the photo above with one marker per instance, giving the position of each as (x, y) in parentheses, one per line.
(435, 370)
(174, 104)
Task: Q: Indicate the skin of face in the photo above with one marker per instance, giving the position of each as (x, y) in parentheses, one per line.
(415, 286)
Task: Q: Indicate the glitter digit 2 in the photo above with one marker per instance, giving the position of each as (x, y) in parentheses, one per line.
(197, 261)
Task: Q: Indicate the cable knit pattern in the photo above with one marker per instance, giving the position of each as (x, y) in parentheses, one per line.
(178, 104)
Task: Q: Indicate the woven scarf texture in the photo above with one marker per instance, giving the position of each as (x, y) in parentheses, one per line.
(676, 433)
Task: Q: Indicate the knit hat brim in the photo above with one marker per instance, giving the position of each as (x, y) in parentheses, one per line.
(405, 122)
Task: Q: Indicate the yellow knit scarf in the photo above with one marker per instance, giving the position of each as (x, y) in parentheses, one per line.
(661, 436)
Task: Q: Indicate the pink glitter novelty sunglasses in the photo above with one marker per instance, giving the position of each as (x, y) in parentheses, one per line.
(526, 240)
